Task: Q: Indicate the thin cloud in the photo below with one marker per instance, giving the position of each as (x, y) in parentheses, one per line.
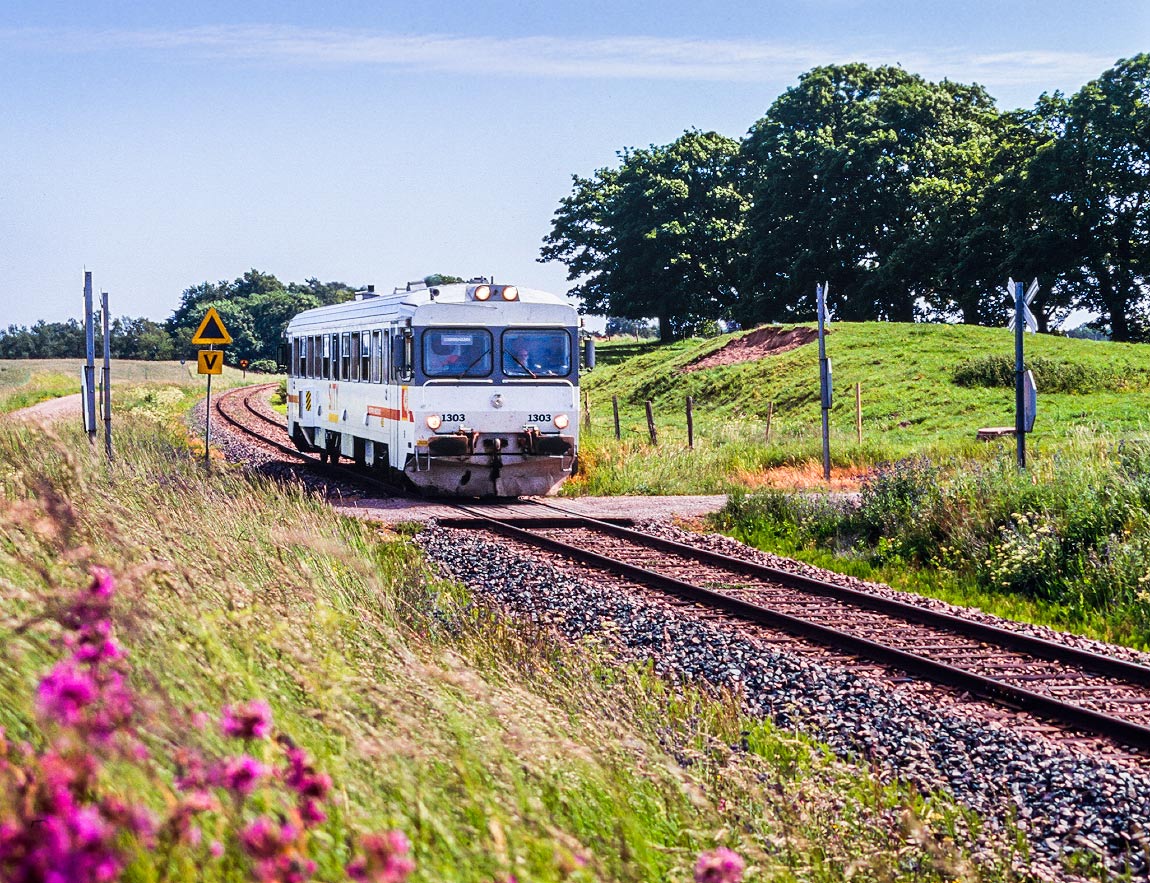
(653, 58)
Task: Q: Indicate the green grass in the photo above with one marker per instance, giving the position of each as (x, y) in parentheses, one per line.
(910, 402)
(26, 382)
(496, 749)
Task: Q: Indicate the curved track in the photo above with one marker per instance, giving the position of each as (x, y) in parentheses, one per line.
(1076, 689)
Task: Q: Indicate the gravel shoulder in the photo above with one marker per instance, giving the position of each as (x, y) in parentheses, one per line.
(50, 411)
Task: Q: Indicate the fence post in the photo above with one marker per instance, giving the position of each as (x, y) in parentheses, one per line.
(770, 414)
(651, 425)
(690, 422)
(587, 409)
(615, 410)
(858, 411)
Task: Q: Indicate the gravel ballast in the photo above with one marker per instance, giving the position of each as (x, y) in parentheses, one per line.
(1063, 800)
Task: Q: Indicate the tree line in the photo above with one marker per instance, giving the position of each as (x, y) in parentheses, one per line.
(914, 200)
(255, 308)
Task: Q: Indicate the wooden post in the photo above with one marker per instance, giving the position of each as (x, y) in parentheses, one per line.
(587, 408)
(770, 414)
(858, 411)
(690, 422)
(615, 409)
(651, 425)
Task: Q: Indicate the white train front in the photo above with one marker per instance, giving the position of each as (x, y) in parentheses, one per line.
(465, 389)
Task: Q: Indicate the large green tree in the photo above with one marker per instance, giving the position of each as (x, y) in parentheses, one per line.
(255, 309)
(1094, 181)
(653, 236)
(861, 176)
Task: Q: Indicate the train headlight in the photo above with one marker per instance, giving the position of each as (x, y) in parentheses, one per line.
(561, 421)
(481, 292)
(510, 292)
(434, 421)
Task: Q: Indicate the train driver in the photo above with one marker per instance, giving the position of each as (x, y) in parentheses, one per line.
(522, 358)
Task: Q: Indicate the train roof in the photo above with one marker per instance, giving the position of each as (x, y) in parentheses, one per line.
(406, 302)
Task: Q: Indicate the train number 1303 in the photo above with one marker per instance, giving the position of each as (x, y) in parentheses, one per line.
(538, 418)
(452, 418)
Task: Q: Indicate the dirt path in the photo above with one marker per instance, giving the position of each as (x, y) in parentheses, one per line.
(63, 408)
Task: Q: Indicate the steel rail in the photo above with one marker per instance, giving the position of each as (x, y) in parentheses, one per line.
(1049, 650)
(1097, 723)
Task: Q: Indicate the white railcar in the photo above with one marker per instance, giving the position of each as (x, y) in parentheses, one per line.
(463, 389)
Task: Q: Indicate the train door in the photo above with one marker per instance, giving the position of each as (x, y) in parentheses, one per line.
(393, 347)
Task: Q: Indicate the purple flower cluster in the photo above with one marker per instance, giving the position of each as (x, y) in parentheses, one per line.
(252, 720)
(56, 828)
(384, 858)
(720, 865)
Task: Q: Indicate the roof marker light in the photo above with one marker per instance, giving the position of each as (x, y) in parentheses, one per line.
(481, 292)
(510, 292)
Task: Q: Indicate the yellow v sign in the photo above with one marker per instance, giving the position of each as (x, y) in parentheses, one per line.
(210, 362)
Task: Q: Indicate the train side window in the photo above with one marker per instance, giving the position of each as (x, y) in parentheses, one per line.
(355, 356)
(345, 358)
(310, 343)
(326, 357)
(298, 352)
(365, 356)
(376, 355)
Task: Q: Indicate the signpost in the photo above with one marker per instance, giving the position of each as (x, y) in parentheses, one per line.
(209, 362)
(89, 385)
(1025, 392)
(825, 385)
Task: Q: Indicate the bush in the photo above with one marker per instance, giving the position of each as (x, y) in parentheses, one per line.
(264, 366)
(1050, 375)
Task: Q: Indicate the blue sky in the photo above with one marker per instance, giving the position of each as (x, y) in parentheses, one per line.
(160, 145)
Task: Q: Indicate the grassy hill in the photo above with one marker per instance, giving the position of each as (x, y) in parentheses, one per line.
(911, 402)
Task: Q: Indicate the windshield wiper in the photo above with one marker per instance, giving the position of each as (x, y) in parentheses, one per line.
(534, 376)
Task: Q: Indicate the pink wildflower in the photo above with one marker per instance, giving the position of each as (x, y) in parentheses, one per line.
(241, 774)
(216, 849)
(64, 693)
(311, 813)
(384, 860)
(720, 865)
(264, 839)
(252, 720)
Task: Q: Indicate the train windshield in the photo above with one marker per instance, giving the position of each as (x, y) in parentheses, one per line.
(457, 352)
(536, 353)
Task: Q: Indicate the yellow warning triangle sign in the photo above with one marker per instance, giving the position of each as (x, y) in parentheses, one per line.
(212, 329)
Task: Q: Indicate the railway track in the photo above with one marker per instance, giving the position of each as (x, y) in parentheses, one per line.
(1076, 689)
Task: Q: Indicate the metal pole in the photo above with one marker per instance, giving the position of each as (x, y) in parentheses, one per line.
(89, 361)
(1019, 372)
(690, 422)
(208, 423)
(615, 409)
(651, 425)
(824, 393)
(106, 384)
